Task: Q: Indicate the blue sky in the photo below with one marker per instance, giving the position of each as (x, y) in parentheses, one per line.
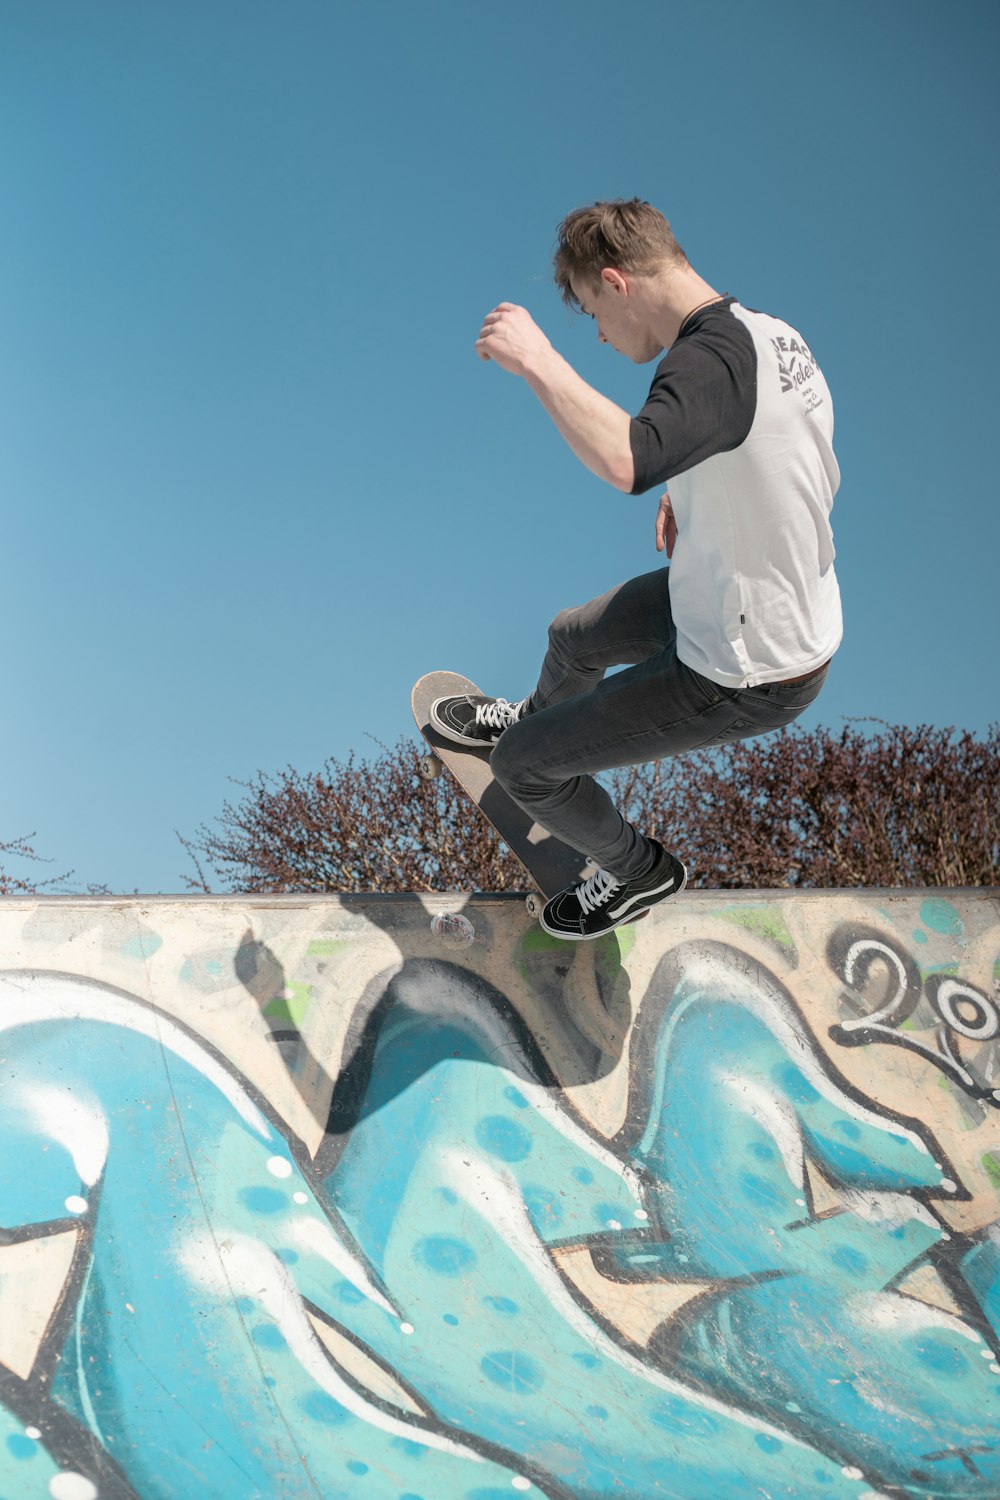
(255, 481)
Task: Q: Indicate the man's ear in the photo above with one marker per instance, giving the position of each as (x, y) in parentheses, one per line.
(615, 281)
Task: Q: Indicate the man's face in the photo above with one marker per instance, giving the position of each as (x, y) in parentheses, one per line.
(615, 304)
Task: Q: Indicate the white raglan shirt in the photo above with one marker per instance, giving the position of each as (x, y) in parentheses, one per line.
(739, 421)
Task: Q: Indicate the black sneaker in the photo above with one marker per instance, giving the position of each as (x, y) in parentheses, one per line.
(600, 903)
(469, 720)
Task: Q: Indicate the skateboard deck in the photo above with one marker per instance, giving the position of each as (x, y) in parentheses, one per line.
(549, 862)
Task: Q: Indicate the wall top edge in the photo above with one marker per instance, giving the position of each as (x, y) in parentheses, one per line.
(353, 898)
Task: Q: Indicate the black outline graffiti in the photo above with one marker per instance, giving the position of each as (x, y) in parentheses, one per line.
(855, 952)
(864, 955)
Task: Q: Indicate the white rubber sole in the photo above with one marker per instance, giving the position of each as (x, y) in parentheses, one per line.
(632, 916)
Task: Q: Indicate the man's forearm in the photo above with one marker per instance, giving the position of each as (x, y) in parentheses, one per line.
(595, 428)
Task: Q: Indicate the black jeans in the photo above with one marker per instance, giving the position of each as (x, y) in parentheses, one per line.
(582, 722)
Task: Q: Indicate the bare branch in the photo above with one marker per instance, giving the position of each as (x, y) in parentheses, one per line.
(903, 806)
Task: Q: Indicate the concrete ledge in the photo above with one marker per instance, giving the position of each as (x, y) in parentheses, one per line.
(395, 1196)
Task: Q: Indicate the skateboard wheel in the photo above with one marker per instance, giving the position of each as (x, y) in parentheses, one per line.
(430, 766)
(534, 902)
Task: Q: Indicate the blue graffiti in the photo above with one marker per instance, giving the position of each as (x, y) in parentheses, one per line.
(394, 1318)
(812, 1331)
(460, 1172)
(189, 1354)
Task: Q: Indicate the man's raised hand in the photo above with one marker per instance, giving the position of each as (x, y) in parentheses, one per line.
(511, 338)
(666, 526)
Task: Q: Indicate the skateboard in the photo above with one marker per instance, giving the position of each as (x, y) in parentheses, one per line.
(550, 863)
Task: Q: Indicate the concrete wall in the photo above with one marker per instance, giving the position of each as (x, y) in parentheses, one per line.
(398, 1198)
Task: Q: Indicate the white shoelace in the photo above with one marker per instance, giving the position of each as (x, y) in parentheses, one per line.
(499, 714)
(596, 890)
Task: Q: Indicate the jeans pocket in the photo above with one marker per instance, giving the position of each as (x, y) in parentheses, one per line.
(771, 705)
(792, 697)
(739, 729)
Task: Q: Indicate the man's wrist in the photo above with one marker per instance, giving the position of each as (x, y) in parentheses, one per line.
(544, 368)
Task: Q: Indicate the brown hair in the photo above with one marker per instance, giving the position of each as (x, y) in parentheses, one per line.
(627, 234)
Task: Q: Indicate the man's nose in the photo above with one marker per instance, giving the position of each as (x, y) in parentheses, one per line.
(601, 338)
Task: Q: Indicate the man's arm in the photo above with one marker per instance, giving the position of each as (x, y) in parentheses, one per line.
(595, 428)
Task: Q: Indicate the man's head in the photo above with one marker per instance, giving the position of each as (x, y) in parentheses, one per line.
(611, 262)
(621, 234)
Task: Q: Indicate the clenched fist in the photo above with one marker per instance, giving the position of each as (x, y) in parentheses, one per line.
(512, 339)
(666, 526)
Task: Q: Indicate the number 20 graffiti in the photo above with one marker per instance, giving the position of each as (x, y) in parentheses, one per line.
(965, 1020)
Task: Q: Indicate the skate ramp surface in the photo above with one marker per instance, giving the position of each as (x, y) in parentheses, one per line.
(395, 1197)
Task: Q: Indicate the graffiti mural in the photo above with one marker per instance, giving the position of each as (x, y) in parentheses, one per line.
(397, 1197)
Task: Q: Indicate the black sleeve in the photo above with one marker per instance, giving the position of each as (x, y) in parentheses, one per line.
(702, 401)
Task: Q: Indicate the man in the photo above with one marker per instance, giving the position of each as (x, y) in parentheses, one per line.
(735, 638)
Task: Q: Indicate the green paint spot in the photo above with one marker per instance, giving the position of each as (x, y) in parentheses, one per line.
(610, 950)
(622, 939)
(143, 945)
(291, 1007)
(762, 921)
(991, 1166)
(537, 940)
(324, 947)
(940, 916)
